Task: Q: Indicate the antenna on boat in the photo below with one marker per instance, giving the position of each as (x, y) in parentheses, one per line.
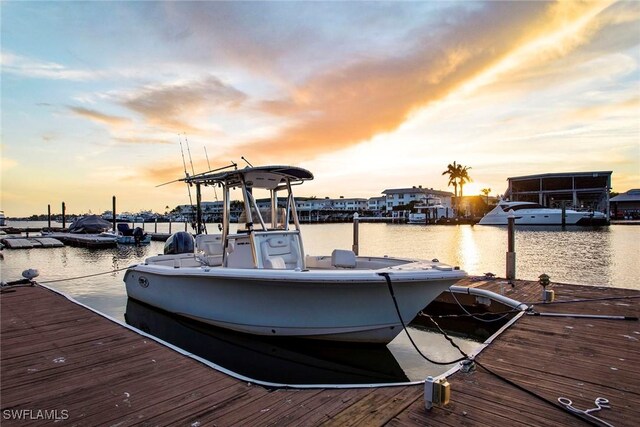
(247, 161)
(189, 151)
(186, 174)
(207, 156)
(215, 193)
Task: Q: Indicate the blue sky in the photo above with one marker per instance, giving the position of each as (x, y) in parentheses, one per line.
(367, 95)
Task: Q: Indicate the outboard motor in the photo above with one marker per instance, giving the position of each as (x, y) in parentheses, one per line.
(138, 235)
(179, 243)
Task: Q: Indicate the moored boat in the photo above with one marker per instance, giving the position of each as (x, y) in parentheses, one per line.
(260, 281)
(528, 213)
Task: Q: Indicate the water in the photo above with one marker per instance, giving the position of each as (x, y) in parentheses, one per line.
(606, 256)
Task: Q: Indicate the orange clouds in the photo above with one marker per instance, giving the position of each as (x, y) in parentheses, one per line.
(349, 105)
(99, 117)
(173, 107)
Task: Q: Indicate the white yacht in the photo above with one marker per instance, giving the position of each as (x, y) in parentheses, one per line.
(528, 213)
(260, 281)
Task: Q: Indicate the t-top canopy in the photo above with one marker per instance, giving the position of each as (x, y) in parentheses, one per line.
(269, 177)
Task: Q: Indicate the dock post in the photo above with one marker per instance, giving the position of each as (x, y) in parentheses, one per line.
(564, 214)
(49, 217)
(511, 247)
(63, 215)
(155, 226)
(356, 236)
(169, 225)
(113, 212)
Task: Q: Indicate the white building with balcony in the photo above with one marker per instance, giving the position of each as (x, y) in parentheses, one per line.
(403, 196)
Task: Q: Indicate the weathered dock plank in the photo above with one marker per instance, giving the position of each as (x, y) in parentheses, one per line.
(56, 355)
(577, 358)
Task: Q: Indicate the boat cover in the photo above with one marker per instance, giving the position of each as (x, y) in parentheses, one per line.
(91, 224)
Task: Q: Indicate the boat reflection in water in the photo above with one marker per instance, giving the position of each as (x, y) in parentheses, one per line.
(270, 359)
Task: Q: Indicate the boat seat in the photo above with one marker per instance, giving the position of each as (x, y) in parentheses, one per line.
(275, 262)
(283, 247)
(341, 258)
(209, 244)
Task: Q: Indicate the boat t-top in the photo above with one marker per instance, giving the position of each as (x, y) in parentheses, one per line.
(259, 280)
(528, 213)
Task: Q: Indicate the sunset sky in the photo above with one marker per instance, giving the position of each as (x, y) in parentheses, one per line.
(95, 96)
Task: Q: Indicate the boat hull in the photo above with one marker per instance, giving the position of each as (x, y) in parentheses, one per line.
(336, 305)
(544, 218)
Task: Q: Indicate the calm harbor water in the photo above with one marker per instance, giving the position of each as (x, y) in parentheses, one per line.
(606, 256)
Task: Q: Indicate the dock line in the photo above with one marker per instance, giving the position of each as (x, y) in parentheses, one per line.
(507, 301)
(83, 277)
(404, 326)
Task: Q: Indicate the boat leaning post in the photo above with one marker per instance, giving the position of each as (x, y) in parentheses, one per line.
(511, 247)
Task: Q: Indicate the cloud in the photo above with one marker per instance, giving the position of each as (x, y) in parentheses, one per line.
(35, 68)
(177, 106)
(141, 140)
(348, 105)
(99, 117)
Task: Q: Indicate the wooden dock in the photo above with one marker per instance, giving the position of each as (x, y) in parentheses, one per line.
(84, 369)
(28, 243)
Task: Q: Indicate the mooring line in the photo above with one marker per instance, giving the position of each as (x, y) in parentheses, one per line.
(83, 277)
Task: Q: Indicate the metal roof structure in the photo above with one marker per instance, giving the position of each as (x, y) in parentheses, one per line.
(582, 190)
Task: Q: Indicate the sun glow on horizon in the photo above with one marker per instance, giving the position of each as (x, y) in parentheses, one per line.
(401, 90)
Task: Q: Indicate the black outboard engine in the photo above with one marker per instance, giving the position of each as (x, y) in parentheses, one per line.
(138, 235)
(179, 243)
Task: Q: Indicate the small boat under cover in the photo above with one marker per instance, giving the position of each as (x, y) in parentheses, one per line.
(259, 280)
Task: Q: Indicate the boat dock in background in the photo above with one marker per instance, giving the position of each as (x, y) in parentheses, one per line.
(59, 356)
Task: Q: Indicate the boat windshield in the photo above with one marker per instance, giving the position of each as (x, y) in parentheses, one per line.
(507, 208)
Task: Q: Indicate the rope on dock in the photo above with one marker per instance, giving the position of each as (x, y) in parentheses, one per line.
(404, 326)
(564, 409)
(85, 276)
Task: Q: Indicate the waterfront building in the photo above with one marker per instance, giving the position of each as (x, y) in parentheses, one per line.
(377, 204)
(351, 204)
(626, 205)
(404, 196)
(578, 190)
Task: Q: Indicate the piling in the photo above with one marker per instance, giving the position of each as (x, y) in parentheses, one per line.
(49, 217)
(356, 236)
(511, 247)
(63, 215)
(113, 212)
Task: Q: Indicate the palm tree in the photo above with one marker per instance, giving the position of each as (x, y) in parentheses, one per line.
(486, 192)
(458, 175)
(452, 171)
(463, 177)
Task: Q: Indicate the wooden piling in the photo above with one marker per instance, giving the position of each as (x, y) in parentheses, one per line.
(511, 247)
(113, 211)
(356, 233)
